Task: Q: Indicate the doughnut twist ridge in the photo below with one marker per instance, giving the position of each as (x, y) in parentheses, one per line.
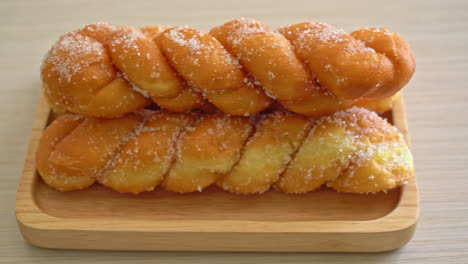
(240, 67)
(353, 150)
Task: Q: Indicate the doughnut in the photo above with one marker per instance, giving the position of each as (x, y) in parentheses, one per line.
(352, 150)
(241, 67)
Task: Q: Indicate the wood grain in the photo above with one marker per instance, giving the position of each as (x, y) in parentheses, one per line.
(320, 221)
(436, 100)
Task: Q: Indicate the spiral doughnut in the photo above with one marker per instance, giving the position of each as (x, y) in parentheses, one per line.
(240, 67)
(353, 150)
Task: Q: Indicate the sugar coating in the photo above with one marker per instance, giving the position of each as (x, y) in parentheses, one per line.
(346, 143)
(266, 153)
(81, 51)
(207, 149)
(337, 59)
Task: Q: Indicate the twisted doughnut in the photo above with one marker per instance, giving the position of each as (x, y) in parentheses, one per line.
(353, 150)
(240, 67)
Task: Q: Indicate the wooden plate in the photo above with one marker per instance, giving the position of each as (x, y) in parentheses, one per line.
(214, 220)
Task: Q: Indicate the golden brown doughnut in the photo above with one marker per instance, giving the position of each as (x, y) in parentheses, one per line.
(240, 67)
(353, 150)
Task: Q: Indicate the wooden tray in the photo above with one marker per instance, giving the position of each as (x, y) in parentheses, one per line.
(214, 220)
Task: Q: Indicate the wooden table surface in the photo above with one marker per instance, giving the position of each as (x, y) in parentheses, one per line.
(436, 100)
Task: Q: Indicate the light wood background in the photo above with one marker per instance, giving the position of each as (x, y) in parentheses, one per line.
(436, 98)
